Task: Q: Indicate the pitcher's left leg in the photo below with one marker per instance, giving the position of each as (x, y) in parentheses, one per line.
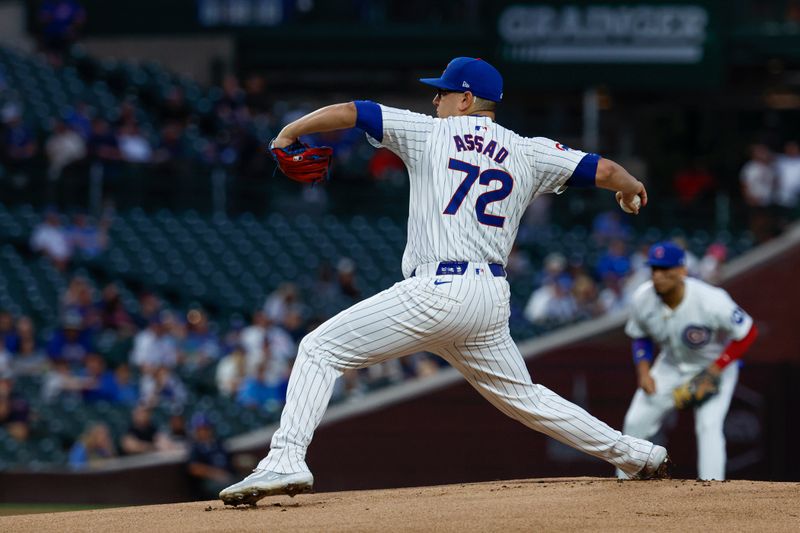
(499, 373)
(709, 423)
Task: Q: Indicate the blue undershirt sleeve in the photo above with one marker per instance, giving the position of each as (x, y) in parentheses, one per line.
(642, 350)
(585, 173)
(370, 119)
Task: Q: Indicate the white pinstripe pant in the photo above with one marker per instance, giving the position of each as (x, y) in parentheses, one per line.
(647, 413)
(464, 319)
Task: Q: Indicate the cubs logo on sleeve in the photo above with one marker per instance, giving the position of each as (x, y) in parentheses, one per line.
(738, 316)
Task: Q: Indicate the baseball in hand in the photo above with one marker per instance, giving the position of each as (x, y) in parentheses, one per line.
(637, 202)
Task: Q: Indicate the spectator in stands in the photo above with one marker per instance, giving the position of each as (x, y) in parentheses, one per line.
(640, 270)
(14, 410)
(787, 167)
(61, 383)
(710, 268)
(209, 462)
(78, 300)
(161, 386)
(72, 342)
(63, 148)
(154, 347)
(7, 331)
(133, 146)
(614, 261)
(586, 297)
(201, 346)
(60, 24)
(103, 144)
(5, 362)
(172, 153)
(50, 239)
(759, 182)
(519, 264)
(174, 108)
(233, 96)
(87, 238)
(28, 357)
(19, 143)
(78, 118)
(257, 98)
(608, 226)
(173, 436)
(127, 390)
(612, 297)
(384, 165)
(99, 382)
(149, 309)
(93, 447)
(694, 183)
(280, 300)
(294, 324)
(552, 303)
(346, 278)
(280, 344)
(264, 388)
(141, 434)
(113, 314)
(231, 371)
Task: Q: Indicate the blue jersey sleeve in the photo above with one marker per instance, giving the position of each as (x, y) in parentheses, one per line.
(369, 118)
(585, 173)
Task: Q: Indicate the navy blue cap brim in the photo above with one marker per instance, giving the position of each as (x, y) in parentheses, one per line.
(664, 264)
(439, 83)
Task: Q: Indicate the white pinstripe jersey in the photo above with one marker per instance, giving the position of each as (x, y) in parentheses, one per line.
(471, 181)
(692, 335)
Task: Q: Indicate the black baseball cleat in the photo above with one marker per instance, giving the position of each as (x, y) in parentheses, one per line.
(658, 465)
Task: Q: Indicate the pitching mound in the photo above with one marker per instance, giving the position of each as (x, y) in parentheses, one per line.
(564, 504)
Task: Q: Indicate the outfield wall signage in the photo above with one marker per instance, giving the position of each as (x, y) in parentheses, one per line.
(643, 33)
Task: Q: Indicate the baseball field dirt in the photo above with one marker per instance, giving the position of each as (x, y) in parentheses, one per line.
(561, 504)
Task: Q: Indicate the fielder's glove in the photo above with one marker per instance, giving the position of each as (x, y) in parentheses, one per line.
(302, 162)
(696, 391)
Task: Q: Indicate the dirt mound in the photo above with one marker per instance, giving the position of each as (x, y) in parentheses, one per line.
(563, 504)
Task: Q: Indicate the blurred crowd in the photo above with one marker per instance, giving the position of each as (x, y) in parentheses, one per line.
(159, 357)
(168, 135)
(569, 289)
(59, 244)
(771, 188)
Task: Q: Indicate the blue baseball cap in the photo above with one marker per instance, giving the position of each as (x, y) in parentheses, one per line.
(666, 255)
(470, 74)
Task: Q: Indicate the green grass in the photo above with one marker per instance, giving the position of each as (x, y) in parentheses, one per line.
(9, 509)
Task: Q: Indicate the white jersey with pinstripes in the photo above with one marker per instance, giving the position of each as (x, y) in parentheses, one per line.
(471, 181)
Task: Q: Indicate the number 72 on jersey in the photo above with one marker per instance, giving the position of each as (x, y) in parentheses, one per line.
(473, 174)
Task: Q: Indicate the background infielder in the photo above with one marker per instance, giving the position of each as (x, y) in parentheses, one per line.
(471, 180)
(700, 331)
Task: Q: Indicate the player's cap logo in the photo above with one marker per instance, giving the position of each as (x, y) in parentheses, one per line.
(465, 84)
(562, 147)
(658, 253)
(696, 336)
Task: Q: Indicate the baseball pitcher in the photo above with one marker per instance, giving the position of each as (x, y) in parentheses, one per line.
(471, 180)
(700, 331)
